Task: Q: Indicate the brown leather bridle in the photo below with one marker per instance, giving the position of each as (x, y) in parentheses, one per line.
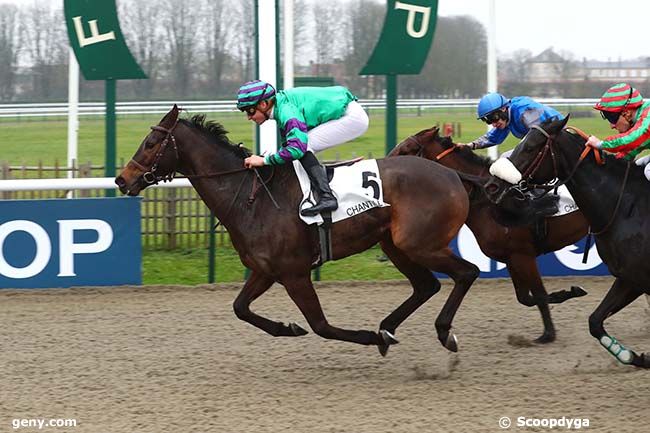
(149, 173)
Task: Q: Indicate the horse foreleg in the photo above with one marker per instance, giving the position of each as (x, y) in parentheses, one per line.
(618, 297)
(253, 288)
(424, 284)
(525, 277)
(301, 291)
(463, 273)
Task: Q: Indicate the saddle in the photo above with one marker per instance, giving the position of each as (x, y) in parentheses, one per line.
(330, 166)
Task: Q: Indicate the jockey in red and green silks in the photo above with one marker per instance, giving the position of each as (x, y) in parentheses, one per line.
(623, 107)
(310, 119)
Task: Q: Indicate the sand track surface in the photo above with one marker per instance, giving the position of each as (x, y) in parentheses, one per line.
(176, 359)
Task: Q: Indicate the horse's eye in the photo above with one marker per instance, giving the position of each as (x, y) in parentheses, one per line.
(149, 144)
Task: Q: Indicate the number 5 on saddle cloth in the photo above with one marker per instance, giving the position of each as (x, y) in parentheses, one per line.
(357, 188)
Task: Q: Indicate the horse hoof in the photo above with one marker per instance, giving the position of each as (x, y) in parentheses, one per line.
(545, 338)
(297, 329)
(578, 291)
(387, 337)
(451, 343)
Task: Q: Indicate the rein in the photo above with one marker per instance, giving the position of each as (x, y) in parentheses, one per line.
(150, 177)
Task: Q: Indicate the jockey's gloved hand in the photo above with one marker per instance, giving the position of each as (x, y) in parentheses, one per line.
(643, 161)
(594, 142)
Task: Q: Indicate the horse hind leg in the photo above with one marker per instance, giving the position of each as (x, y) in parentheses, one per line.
(255, 286)
(301, 291)
(618, 297)
(424, 284)
(463, 273)
(525, 277)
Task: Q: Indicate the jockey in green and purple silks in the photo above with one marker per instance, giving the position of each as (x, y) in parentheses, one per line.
(310, 119)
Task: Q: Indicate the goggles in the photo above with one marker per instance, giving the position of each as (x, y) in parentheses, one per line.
(610, 116)
(492, 117)
(250, 110)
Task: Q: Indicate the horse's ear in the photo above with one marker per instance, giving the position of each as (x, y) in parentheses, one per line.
(435, 131)
(170, 118)
(566, 120)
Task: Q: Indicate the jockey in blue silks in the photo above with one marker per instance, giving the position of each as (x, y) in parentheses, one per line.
(516, 116)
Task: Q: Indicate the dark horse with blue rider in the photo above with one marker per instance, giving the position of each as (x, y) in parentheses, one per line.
(428, 206)
(613, 196)
(516, 246)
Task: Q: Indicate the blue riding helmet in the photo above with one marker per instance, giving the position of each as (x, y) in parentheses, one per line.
(491, 102)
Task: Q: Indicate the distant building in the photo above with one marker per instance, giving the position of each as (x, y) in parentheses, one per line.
(551, 74)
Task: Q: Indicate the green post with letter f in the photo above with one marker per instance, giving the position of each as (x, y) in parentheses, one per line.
(97, 41)
(402, 49)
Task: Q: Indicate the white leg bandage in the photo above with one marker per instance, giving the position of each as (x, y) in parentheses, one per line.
(352, 125)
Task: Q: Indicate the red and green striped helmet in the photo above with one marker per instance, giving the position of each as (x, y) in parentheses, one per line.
(254, 92)
(619, 97)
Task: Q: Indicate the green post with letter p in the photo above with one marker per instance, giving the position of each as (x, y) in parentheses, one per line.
(402, 49)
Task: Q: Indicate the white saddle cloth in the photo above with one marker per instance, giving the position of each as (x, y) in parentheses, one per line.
(566, 205)
(357, 188)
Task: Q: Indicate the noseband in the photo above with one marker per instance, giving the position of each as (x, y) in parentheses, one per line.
(149, 173)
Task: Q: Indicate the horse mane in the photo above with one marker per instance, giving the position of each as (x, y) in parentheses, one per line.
(216, 133)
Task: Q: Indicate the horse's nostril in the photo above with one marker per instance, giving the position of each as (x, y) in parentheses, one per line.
(119, 181)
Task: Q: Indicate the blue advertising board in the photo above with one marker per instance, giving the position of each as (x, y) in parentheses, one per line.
(70, 242)
(567, 261)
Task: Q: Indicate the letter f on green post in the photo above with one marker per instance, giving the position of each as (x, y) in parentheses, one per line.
(97, 41)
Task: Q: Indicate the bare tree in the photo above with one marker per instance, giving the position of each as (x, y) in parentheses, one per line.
(362, 33)
(180, 20)
(218, 31)
(242, 46)
(10, 45)
(327, 31)
(46, 44)
(144, 38)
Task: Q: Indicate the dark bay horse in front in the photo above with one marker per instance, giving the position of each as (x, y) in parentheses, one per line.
(428, 206)
(614, 196)
(518, 246)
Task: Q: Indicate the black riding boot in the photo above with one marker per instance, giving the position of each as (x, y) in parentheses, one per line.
(318, 178)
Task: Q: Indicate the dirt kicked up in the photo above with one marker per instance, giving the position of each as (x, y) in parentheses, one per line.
(176, 359)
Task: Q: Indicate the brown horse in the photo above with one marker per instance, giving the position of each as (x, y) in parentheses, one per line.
(517, 247)
(428, 206)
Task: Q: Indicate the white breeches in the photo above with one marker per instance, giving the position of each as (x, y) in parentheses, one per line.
(352, 125)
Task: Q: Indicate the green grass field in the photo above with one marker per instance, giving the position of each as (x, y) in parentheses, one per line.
(28, 142)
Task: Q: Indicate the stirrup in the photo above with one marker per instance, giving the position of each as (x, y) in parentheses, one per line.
(319, 208)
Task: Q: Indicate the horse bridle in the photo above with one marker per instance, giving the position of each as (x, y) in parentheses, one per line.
(149, 173)
(420, 148)
(548, 148)
(534, 166)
